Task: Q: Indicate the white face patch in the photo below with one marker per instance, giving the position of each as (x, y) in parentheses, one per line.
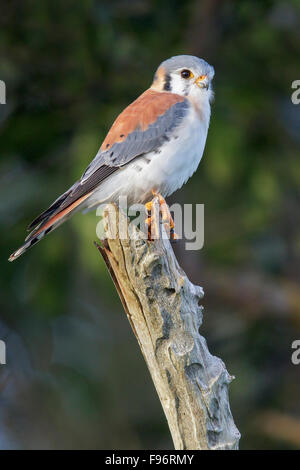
(200, 94)
(180, 85)
(188, 88)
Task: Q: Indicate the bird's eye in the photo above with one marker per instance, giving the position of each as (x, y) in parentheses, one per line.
(186, 74)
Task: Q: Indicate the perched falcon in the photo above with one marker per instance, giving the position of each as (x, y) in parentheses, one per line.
(154, 146)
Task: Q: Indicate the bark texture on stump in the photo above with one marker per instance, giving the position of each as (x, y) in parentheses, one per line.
(163, 308)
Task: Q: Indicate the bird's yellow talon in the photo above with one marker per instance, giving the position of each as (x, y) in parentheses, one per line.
(166, 219)
(148, 206)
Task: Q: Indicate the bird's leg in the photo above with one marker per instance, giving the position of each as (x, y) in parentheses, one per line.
(153, 218)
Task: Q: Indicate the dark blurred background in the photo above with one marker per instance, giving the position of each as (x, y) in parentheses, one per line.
(75, 377)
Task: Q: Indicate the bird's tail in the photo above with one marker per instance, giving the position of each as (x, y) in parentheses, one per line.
(47, 222)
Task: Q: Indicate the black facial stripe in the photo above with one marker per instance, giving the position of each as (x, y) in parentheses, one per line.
(167, 85)
(186, 89)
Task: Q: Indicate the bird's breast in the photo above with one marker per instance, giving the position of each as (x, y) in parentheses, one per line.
(170, 166)
(164, 170)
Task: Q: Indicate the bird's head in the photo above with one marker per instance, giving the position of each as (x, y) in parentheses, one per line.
(185, 75)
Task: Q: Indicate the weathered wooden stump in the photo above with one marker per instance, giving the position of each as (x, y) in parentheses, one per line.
(163, 308)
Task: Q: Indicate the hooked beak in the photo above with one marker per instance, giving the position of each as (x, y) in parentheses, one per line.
(202, 81)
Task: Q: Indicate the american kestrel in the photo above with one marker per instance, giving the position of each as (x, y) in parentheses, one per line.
(154, 146)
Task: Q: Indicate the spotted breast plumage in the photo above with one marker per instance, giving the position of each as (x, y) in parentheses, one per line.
(154, 145)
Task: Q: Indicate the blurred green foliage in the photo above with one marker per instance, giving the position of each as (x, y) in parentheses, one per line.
(75, 377)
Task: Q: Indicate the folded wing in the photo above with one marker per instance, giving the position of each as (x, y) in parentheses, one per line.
(142, 127)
